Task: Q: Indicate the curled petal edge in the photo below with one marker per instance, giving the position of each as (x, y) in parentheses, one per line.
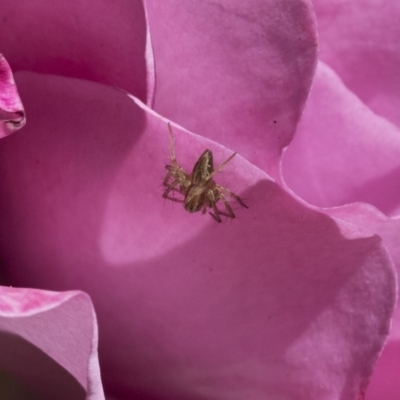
(69, 321)
(12, 113)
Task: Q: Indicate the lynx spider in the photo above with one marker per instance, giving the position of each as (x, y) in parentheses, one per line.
(199, 189)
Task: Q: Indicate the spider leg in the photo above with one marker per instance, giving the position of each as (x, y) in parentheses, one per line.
(171, 143)
(229, 213)
(221, 166)
(168, 177)
(178, 176)
(216, 214)
(212, 203)
(231, 194)
(171, 194)
(175, 199)
(213, 196)
(170, 187)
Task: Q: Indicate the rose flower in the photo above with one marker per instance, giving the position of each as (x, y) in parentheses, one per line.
(110, 291)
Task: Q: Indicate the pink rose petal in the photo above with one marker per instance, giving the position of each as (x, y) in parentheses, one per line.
(384, 384)
(236, 73)
(283, 302)
(49, 342)
(343, 152)
(12, 114)
(371, 220)
(359, 39)
(101, 41)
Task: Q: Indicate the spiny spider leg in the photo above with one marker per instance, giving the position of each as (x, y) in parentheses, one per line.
(174, 199)
(220, 167)
(167, 178)
(216, 214)
(231, 194)
(214, 198)
(229, 212)
(171, 143)
(170, 187)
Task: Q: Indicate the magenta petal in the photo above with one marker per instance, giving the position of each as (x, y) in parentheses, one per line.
(12, 114)
(371, 220)
(342, 151)
(49, 343)
(102, 41)
(384, 384)
(283, 301)
(360, 40)
(233, 72)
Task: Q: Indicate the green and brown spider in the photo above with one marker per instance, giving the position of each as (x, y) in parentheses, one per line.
(199, 189)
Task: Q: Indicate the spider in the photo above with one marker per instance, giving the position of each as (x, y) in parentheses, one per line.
(199, 188)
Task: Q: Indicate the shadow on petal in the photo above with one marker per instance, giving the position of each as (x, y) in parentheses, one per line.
(39, 373)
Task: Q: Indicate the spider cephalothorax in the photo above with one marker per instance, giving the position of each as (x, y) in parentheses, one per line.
(199, 189)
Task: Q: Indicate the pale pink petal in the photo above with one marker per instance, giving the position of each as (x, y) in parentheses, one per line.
(49, 343)
(12, 114)
(283, 301)
(238, 73)
(342, 151)
(359, 39)
(100, 41)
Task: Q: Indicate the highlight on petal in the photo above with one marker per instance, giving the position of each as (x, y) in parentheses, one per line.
(104, 43)
(49, 343)
(236, 72)
(359, 39)
(342, 151)
(282, 301)
(12, 114)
